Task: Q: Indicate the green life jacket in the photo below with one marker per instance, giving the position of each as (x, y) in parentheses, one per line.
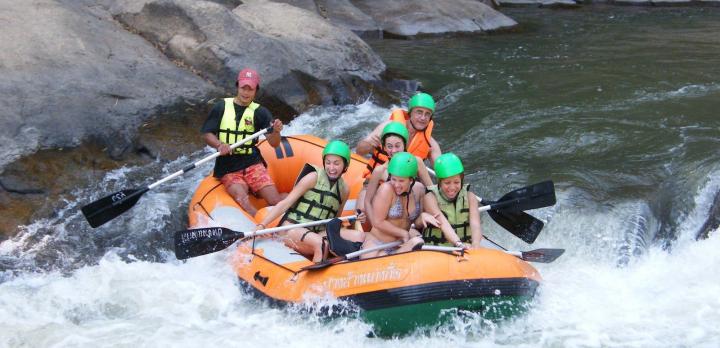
(231, 131)
(320, 202)
(457, 213)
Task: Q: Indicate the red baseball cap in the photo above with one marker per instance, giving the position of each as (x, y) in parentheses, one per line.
(248, 77)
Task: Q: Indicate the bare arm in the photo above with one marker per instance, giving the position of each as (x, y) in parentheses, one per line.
(371, 141)
(423, 173)
(380, 207)
(212, 140)
(274, 137)
(475, 225)
(435, 151)
(371, 189)
(431, 207)
(305, 184)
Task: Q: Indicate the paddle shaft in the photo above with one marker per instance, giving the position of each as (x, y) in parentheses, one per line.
(289, 227)
(537, 255)
(206, 159)
(375, 248)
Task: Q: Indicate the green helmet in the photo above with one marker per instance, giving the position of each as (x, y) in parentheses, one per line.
(447, 165)
(395, 128)
(338, 148)
(422, 100)
(403, 165)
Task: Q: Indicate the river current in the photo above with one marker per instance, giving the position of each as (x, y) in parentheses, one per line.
(619, 106)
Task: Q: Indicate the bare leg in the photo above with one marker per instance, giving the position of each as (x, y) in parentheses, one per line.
(239, 193)
(311, 244)
(410, 244)
(271, 194)
(352, 235)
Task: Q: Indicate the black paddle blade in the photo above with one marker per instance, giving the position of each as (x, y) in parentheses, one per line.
(542, 255)
(201, 241)
(535, 196)
(338, 245)
(107, 208)
(520, 224)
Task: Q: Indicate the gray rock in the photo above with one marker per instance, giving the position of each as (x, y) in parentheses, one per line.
(342, 13)
(543, 3)
(302, 58)
(412, 17)
(76, 76)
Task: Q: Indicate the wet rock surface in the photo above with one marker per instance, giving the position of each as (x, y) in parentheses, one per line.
(84, 91)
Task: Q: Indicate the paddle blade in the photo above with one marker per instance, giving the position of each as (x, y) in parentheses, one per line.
(535, 196)
(520, 224)
(542, 255)
(201, 241)
(107, 208)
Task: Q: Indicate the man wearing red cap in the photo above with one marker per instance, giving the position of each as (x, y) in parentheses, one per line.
(242, 170)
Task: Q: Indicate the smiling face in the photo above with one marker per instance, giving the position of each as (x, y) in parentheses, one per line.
(420, 117)
(334, 166)
(451, 186)
(393, 144)
(246, 94)
(400, 185)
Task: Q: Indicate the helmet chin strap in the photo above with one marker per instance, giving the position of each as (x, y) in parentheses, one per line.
(416, 128)
(462, 182)
(333, 181)
(407, 193)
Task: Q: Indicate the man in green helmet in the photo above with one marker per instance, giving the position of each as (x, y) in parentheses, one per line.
(419, 122)
(320, 193)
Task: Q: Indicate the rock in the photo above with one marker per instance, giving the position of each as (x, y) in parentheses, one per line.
(406, 18)
(302, 59)
(370, 19)
(79, 75)
(342, 13)
(542, 3)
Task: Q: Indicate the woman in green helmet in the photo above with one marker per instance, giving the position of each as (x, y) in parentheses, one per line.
(453, 207)
(396, 208)
(394, 137)
(319, 193)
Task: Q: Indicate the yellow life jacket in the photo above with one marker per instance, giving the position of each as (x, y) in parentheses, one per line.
(320, 202)
(232, 131)
(457, 213)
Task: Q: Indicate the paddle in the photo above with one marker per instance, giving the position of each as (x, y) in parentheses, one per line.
(508, 210)
(202, 241)
(537, 255)
(107, 208)
(349, 256)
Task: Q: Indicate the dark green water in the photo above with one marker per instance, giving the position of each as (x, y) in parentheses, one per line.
(615, 104)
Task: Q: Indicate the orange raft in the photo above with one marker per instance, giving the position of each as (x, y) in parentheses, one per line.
(396, 293)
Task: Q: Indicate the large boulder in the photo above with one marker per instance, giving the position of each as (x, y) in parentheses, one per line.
(69, 74)
(405, 18)
(302, 59)
(414, 17)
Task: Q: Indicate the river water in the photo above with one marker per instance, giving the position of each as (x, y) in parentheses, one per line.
(619, 106)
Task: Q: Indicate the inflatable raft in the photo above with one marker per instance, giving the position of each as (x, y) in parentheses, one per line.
(396, 293)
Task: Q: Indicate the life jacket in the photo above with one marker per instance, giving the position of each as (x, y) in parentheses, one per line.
(320, 202)
(457, 213)
(379, 157)
(419, 145)
(232, 131)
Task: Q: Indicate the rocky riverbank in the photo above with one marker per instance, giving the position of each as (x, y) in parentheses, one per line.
(89, 89)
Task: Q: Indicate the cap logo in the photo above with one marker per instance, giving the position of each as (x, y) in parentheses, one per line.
(248, 74)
